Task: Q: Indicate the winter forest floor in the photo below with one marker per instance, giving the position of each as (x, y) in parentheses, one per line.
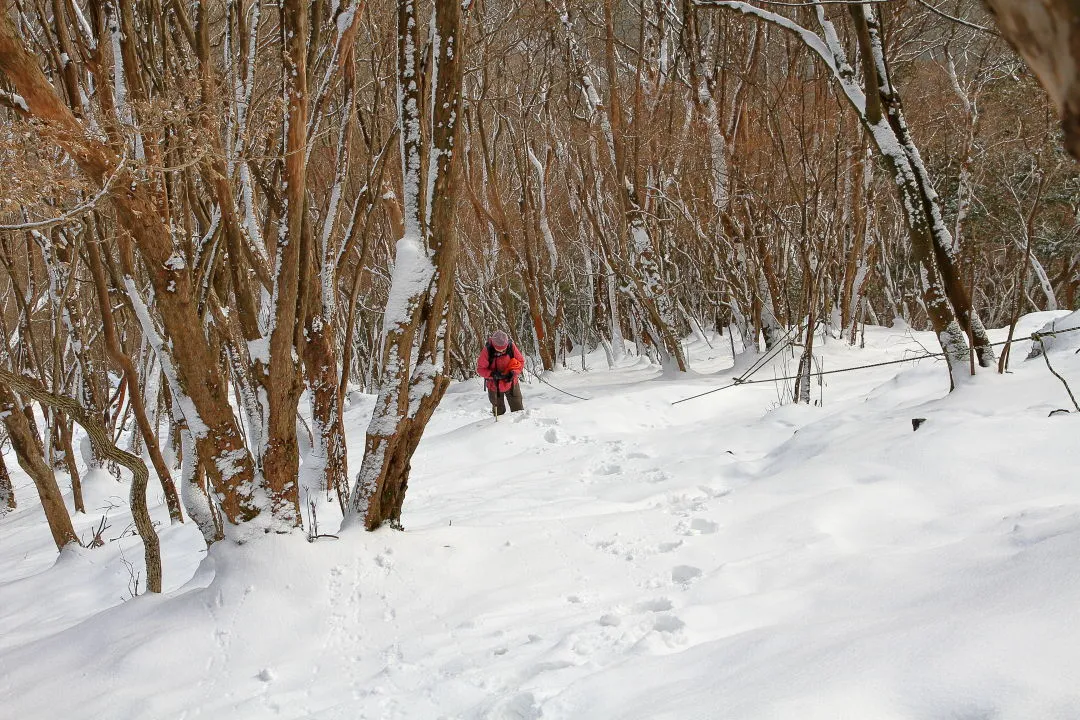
(620, 557)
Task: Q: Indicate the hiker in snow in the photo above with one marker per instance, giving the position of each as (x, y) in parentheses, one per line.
(500, 363)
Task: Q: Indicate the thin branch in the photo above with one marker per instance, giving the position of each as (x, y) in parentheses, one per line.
(810, 3)
(89, 204)
(1046, 357)
(960, 21)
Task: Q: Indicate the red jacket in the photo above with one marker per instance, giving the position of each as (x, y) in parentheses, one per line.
(501, 365)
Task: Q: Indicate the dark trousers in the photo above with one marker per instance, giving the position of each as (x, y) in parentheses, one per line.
(513, 396)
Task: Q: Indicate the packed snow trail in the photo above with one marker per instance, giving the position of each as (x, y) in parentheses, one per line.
(619, 557)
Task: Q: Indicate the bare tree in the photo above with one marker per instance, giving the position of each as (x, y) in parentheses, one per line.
(879, 108)
(418, 309)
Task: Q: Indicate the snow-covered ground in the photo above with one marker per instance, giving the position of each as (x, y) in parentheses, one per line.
(620, 557)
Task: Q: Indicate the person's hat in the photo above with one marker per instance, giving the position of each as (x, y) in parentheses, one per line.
(499, 340)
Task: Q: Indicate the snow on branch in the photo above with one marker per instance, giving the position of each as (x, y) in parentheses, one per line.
(14, 100)
(812, 39)
(826, 45)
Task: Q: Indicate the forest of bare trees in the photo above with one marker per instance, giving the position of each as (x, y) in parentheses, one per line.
(219, 219)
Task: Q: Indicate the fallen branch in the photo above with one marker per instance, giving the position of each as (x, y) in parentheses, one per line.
(1039, 338)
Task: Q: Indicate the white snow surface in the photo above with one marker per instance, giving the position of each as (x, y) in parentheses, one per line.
(620, 557)
(1059, 322)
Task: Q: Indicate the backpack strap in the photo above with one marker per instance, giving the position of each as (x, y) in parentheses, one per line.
(491, 352)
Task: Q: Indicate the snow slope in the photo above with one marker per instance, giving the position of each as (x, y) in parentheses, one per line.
(620, 557)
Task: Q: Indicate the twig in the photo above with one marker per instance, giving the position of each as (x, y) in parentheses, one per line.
(38, 224)
(102, 526)
(960, 21)
(1046, 357)
(133, 576)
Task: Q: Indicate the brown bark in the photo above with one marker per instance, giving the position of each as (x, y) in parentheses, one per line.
(69, 70)
(153, 146)
(282, 381)
(33, 463)
(544, 324)
(63, 441)
(7, 492)
(537, 310)
(215, 171)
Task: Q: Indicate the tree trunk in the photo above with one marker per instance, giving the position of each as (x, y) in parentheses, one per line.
(135, 390)
(193, 490)
(282, 382)
(418, 310)
(7, 491)
(328, 452)
(33, 463)
(63, 427)
(920, 200)
(100, 437)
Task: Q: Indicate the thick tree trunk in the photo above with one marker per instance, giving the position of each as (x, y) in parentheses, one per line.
(282, 383)
(1046, 34)
(925, 215)
(418, 310)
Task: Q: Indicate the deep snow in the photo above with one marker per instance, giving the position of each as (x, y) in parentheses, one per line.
(620, 557)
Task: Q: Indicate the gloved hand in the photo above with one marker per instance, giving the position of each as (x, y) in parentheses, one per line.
(497, 376)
